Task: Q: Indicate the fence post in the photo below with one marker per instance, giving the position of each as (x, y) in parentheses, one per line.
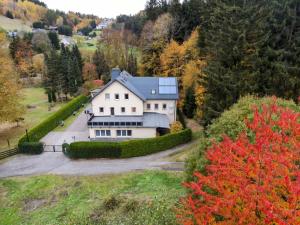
(8, 143)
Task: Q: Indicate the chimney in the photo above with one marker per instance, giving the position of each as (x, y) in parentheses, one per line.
(115, 72)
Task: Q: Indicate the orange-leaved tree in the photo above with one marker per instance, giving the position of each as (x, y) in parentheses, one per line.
(253, 180)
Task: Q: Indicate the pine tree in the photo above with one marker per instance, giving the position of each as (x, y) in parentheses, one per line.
(76, 53)
(189, 105)
(51, 79)
(100, 63)
(132, 64)
(54, 40)
(281, 66)
(232, 40)
(63, 70)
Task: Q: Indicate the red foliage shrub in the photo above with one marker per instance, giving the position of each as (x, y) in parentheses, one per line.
(253, 180)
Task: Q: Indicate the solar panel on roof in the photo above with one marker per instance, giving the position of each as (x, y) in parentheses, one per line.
(167, 81)
(167, 85)
(167, 90)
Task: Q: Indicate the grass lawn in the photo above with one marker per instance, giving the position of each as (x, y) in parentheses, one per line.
(35, 97)
(135, 198)
(14, 24)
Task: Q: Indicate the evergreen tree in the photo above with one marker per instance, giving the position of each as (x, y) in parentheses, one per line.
(9, 14)
(13, 46)
(76, 53)
(189, 105)
(51, 78)
(100, 63)
(63, 69)
(72, 76)
(54, 40)
(233, 40)
(281, 55)
(132, 64)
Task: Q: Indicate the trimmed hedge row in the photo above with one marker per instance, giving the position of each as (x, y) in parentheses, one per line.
(31, 147)
(42, 129)
(127, 149)
(88, 150)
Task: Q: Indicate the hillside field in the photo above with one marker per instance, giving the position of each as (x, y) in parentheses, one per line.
(14, 24)
(37, 99)
(147, 197)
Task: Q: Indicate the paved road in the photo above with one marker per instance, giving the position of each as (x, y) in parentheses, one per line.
(57, 163)
(77, 129)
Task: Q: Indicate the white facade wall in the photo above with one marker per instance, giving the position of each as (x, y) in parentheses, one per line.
(107, 104)
(137, 133)
(170, 110)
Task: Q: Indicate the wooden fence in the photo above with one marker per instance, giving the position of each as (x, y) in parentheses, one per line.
(8, 153)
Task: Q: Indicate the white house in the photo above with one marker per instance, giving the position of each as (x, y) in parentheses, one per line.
(131, 107)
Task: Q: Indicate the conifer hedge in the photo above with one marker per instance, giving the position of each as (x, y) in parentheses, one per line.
(127, 149)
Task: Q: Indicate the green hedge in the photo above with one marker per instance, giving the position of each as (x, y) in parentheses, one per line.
(31, 147)
(42, 129)
(127, 149)
(87, 150)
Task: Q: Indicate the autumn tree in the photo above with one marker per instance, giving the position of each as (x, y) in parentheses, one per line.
(41, 42)
(10, 107)
(252, 180)
(89, 72)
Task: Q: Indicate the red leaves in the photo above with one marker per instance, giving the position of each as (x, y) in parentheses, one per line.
(251, 182)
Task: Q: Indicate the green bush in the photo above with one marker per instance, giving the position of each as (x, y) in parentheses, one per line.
(232, 121)
(127, 149)
(42, 129)
(31, 147)
(93, 150)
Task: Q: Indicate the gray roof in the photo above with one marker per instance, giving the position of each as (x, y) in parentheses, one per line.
(146, 88)
(154, 120)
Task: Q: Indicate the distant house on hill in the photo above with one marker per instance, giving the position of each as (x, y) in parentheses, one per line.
(67, 41)
(104, 24)
(131, 107)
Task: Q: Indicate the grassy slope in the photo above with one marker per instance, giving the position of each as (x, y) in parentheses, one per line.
(15, 24)
(135, 198)
(35, 97)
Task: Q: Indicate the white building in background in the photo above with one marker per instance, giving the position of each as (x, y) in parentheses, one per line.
(131, 107)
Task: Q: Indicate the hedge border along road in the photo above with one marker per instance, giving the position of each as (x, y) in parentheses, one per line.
(127, 149)
(49, 124)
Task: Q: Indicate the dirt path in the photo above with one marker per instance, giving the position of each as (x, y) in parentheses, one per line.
(57, 163)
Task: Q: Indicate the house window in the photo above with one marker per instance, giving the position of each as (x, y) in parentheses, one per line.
(164, 106)
(148, 106)
(153, 91)
(103, 133)
(123, 109)
(133, 109)
(107, 96)
(117, 96)
(126, 96)
(101, 109)
(124, 133)
(156, 106)
(119, 132)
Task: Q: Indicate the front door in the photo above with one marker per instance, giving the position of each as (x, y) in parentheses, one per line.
(112, 111)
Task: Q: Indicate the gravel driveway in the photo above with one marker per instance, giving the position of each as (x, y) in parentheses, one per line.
(57, 163)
